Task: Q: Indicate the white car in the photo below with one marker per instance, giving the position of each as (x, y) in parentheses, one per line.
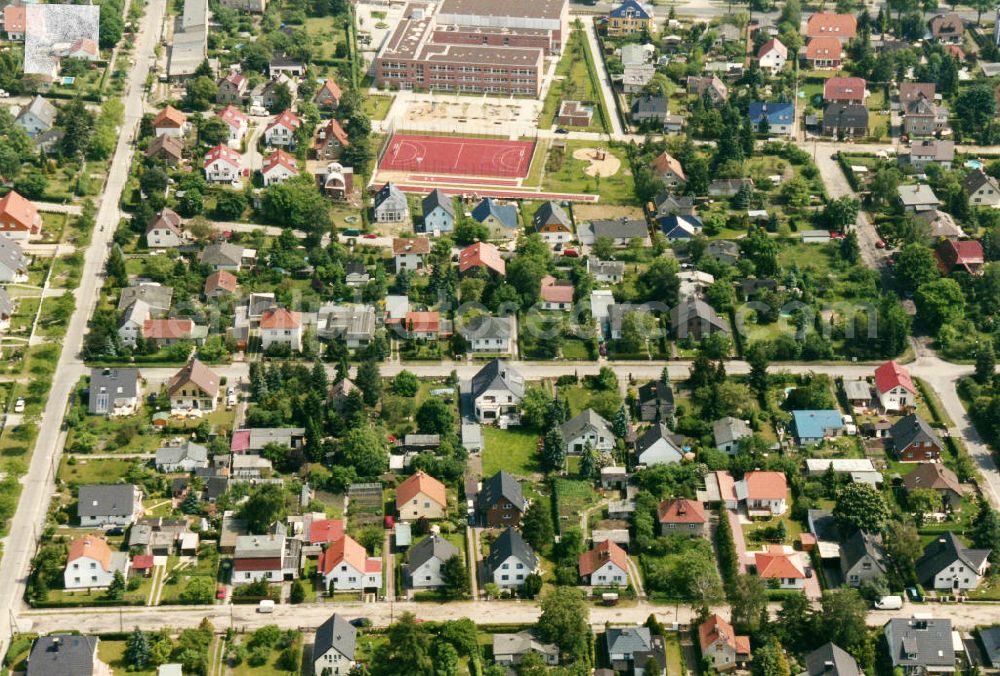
(231, 396)
(19, 405)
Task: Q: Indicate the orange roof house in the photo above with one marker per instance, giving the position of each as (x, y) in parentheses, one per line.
(220, 283)
(423, 324)
(167, 330)
(14, 19)
(328, 95)
(364, 572)
(825, 51)
(280, 318)
(482, 255)
(681, 515)
(19, 218)
(421, 496)
(781, 563)
(827, 24)
(325, 531)
(169, 118)
(556, 293)
(721, 645)
(668, 168)
(605, 565)
(92, 547)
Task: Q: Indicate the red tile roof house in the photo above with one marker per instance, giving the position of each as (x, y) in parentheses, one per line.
(845, 90)
(481, 255)
(772, 55)
(421, 496)
(606, 565)
(281, 131)
(721, 646)
(13, 21)
(220, 283)
(896, 391)
(424, 326)
(278, 167)
(19, 218)
(329, 141)
(965, 255)
(279, 326)
(827, 24)
(764, 493)
(824, 53)
(325, 531)
(346, 566)
(163, 332)
(783, 564)
(409, 252)
(669, 170)
(171, 122)
(328, 95)
(682, 516)
(556, 294)
(222, 165)
(238, 123)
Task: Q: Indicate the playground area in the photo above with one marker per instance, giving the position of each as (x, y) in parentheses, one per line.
(462, 156)
(602, 163)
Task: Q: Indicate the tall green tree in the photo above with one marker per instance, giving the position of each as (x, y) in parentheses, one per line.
(861, 506)
(565, 621)
(137, 650)
(369, 381)
(537, 526)
(554, 450)
(986, 363)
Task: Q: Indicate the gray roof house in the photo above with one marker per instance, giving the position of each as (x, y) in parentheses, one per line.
(390, 205)
(511, 560)
(184, 458)
(37, 117)
(424, 561)
(113, 391)
(948, 565)
(917, 197)
(334, 646)
(156, 296)
(723, 251)
(631, 648)
(667, 204)
(496, 390)
(550, 216)
(696, 318)
(919, 645)
(649, 108)
(845, 120)
(862, 558)
(656, 401)
(728, 431)
(914, 439)
(62, 654)
(108, 504)
(831, 660)
(13, 262)
(439, 212)
(501, 492)
(990, 638)
(620, 231)
(489, 334)
(509, 649)
(222, 256)
(587, 428)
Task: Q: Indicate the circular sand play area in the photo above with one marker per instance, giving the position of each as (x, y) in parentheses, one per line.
(602, 163)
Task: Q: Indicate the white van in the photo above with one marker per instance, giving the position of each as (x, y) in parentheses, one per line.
(266, 606)
(889, 603)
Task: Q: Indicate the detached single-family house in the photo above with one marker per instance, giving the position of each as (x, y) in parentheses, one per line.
(669, 170)
(862, 558)
(764, 493)
(510, 649)
(827, 24)
(949, 566)
(279, 326)
(935, 476)
(831, 660)
(619, 231)
(19, 217)
(496, 392)
(58, 654)
(113, 391)
(510, 561)
(824, 53)
(237, 123)
(965, 255)
(273, 557)
(721, 646)
(982, 189)
(710, 86)
(490, 334)
(421, 496)
(166, 231)
(439, 212)
(772, 55)
(914, 440)
(334, 646)
(556, 294)
(278, 167)
(170, 149)
(696, 318)
(481, 255)
(38, 117)
(781, 563)
(391, 205)
(813, 426)
(500, 219)
(948, 29)
(728, 431)
(232, 89)
(13, 22)
(424, 561)
(329, 141)
(931, 151)
(606, 272)
(656, 401)
(170, 122)
(101, 505)
(501, 502)
(632, 650)
(220, 284)
(281, 130)
(552, 222)
(631, 17)
(896, 391)
(92, 565)
(409, 253)
(194, 387)
(775, 116)
(920, 645)
(186, 457)
(682, 516)
(924, 117)
(222, 164)
(587, 428)
(845, 90)
(328, 96)
(658, 446)
(649, 108)
(606, 565)
(845, 120)
(222, 256)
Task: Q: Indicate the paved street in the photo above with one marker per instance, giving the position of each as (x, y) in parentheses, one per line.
(19, 545)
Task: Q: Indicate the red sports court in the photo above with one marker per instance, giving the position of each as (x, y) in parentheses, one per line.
(458, 155)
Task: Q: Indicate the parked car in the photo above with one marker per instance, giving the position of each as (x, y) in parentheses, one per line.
(889, 603)
(19, 405)
(914, 595)
(266, 606)
(220, 593)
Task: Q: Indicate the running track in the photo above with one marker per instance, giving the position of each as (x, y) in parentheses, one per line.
(486, 191)
(458, 155)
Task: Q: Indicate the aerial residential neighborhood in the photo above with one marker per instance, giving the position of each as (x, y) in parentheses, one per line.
(397, 338)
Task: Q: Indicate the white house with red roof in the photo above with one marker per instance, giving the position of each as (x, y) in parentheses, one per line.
(606, 565)
(781, 563)
(328, 95)
(896, 391)
(13, 21)
(721, 646)
(346, 566)
(222, 165)
(281, 130)
(91, 564)
(279, 326)
(325, 531)
(171, 122)
(278, 167)
(669, 170)
(845, 90)
(19, 218)
(556, 294)
(764, 493)
(682, 516)
(237, 122)
(772, 55)
(84, 48)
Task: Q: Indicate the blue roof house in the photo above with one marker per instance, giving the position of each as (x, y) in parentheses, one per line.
(780, 116)
(811, 427)
(680, 227)
(501, 219)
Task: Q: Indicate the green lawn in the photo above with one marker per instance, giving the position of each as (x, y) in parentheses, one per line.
(574, 83)
(84, 471)
(377, 107)
(512, 450)
(675, 660)
(792, 529)
(575, 497)
(563, 173)
(112, 653)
